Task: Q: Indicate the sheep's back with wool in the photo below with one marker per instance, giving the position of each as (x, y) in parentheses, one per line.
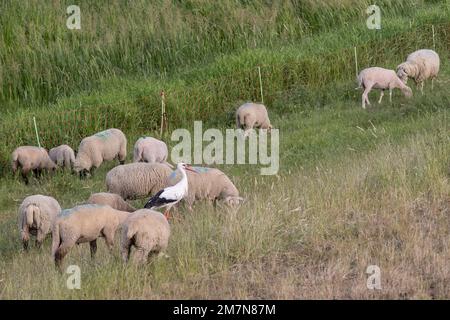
(137, 180)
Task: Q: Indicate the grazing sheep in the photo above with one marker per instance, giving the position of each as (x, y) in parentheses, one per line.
(31, 158)
(103, 146)
(148, 231)
(383, 79)
(151, 150)
(252, 115)
(210, 184)
(420, 65)
(62, 155)
(137, 180)
(85, 223)
(110, 199)
(37, 214)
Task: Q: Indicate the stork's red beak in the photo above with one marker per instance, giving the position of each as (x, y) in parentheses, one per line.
(189, 168)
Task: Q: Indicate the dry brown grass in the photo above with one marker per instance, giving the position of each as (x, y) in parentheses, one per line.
(311, 235)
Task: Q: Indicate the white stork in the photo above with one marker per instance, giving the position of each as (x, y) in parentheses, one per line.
(169, 196)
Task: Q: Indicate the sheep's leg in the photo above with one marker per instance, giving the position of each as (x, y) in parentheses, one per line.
(25, 234)
(39, 238)
(365, 97)
(25, 244)
(381, 96)
(25, 176)
(93, 245)
(126, 250)
(421, 86)
(37, 172)
(109, 239)
(390, 95)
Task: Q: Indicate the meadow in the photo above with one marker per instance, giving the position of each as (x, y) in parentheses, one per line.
(355, 187)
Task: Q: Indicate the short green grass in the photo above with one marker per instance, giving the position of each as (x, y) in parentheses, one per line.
(355, 187)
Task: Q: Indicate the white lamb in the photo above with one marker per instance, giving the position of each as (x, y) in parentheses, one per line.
(37, 214)
(420, 65)
(382, 79)
(146, 230)
(252, 115)
(151, 150)
(62, 155)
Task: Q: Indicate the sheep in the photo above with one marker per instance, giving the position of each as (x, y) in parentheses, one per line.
(420, 65)
(62, 155)
(151, 150)
(110, 199)
(85, 223)
(103, 146)
(137, 180)
(37, 214)
(380, 78)
(30, 158)
(252, 115)
(208, 183)
(148, 231)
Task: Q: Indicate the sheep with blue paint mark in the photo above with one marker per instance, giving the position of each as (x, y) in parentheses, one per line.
(110, 199)
(85, 223)
(209, 184)
(103, 146)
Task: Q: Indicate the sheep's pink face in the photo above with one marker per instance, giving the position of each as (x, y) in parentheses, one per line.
(408, 92)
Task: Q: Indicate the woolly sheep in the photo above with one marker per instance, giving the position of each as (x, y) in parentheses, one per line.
(85, 223)
(110, 199)
(37, 214)
(151, 150)
(103, 146)
(137, 180)
(210, 184)
(62, 155)
(252, 115)
(420, 65)
(383, 79)
(148, 231)
(30, 158)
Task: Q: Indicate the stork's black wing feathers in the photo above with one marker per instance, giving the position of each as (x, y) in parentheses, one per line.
(156, 201)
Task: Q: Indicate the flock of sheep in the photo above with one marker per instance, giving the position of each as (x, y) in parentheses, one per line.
(104, 213)
(146, 230)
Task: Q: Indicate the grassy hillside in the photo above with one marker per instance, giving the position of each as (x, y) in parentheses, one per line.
(355, 188)
(208, 91)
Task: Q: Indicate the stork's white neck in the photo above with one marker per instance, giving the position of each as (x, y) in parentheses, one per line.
(183, 182)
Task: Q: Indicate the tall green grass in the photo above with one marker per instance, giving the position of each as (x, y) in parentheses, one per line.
(212, 91)
(41, 59)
